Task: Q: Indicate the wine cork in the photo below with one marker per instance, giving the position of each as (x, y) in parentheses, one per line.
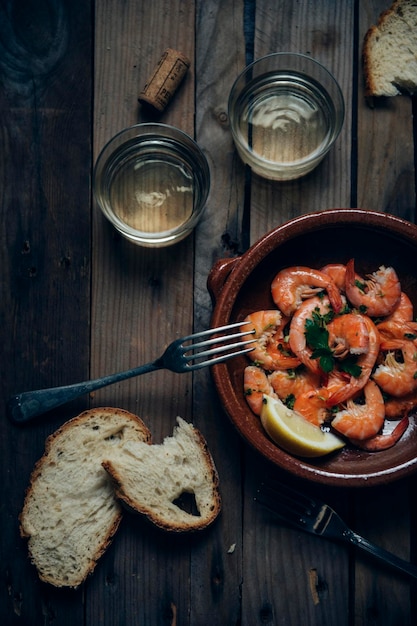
(165, 80)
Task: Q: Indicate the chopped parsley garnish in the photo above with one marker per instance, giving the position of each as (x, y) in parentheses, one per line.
(284, 351)
(350, 366)
(317, 337)
(290, 401)
(360, 285)
(322, 318)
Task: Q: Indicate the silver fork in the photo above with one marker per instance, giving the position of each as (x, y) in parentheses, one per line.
(315, 517)
(178, 357)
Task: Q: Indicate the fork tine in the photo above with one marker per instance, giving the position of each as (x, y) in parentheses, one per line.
(292, 493)
(217, 340)
(285, 501)
(283, 513)
(218, 350)
(212, 331)
(224, 346)
(219, 359)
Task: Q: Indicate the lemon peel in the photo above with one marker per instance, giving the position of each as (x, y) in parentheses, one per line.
(292, 432)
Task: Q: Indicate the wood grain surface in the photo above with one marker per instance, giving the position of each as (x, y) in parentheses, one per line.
(78, 301)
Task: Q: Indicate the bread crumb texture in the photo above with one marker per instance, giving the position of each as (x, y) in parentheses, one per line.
(390, 51)
(72, 505)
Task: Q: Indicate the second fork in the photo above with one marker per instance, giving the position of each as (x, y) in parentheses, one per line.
(313, 516)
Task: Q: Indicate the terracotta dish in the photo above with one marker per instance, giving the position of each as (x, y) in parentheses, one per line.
(241, 285)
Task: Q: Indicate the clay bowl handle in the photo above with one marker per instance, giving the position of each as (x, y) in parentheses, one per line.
(218, 275)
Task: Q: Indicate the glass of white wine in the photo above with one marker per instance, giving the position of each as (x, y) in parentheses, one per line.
(286, 111)
(152, 182)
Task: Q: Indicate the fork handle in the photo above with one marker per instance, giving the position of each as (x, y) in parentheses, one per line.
(25, 406)
(380, 553)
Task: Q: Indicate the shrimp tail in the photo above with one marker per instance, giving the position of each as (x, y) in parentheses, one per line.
(335, 297)
(339, 396)
(383, 442)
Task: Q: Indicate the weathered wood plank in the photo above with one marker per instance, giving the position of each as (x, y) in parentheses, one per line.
(142, 299)
(216, 567)
(385, 182)
(45, 104)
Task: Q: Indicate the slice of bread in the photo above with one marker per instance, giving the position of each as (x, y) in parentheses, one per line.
(151, 479)
(70, 513)
(390, 51)
(72, 506)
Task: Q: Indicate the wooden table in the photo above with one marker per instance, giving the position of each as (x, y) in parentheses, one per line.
(77, 301)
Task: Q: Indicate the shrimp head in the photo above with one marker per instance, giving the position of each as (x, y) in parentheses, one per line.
(271, 350)
(378, 295)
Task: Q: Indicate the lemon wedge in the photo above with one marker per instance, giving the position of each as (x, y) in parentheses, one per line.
(292, 432)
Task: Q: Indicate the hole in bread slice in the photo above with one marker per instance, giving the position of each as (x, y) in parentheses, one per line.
(187, 502)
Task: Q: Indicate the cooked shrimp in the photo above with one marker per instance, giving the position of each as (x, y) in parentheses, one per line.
(271, 350)
(293, 285)
(398, 377)
(379, 293)
(396, 407)
(397, 329)
(337, 272)
(287, 383)
(298, 341)
(312, 405)
(383, 442)
(362, 421)
(365, 361)
(255, 385)
(403, 312)
(348, 334)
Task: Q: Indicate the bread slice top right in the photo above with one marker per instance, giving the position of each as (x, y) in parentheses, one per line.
(152, 479)
(390, 51)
